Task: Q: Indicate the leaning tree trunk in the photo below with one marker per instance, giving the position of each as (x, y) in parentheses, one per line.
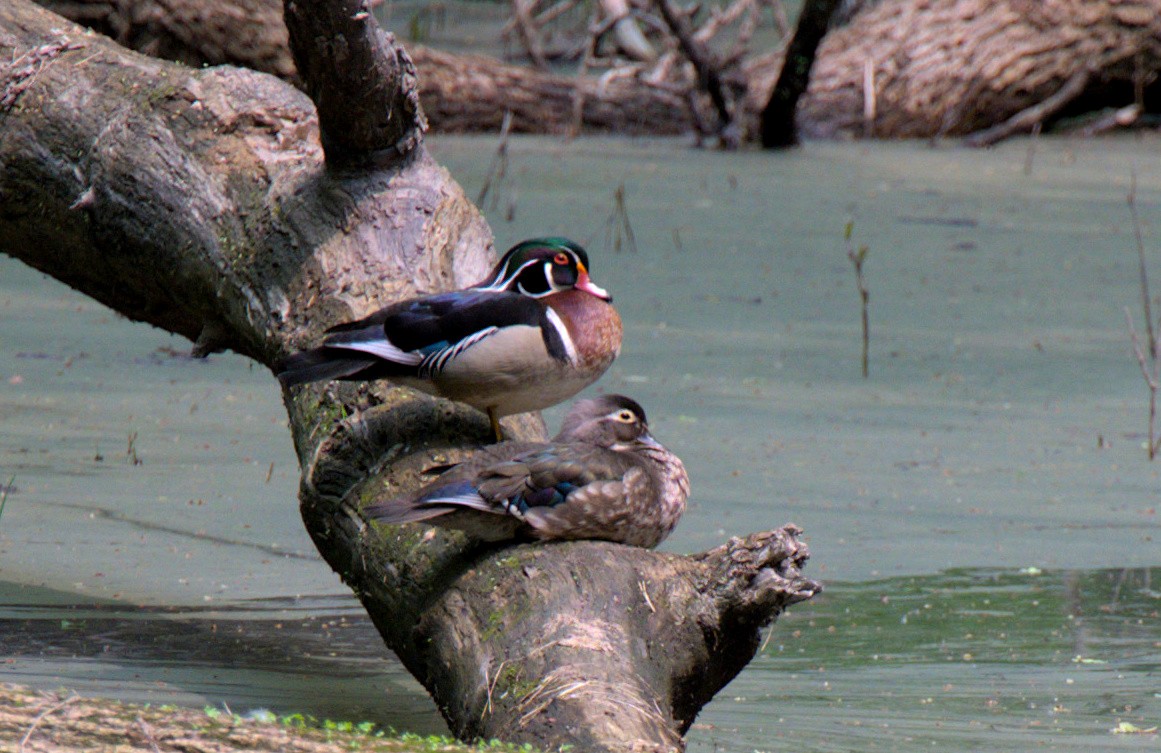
(900, 68)
(201, 201)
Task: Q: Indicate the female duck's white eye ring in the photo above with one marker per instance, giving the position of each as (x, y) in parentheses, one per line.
(625, 416)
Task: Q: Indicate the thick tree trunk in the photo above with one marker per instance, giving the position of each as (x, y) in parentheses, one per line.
(200, 201)
(921, 68)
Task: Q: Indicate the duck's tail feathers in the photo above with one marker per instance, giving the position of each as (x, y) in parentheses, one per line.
(439, 501)
(319, 365)
(403, 510)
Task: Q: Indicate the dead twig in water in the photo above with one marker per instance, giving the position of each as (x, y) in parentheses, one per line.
(1031, 153)
(131, 450)
(522, 11)
(617, 226)
(870, 103)
(4, 490)
(858, 258)
(1131, 200)
(499, 168)
(1150, 364)
(708, 75)
(1037, 113)
(1151, 380)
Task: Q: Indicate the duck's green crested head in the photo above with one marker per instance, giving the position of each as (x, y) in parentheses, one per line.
(543, 266)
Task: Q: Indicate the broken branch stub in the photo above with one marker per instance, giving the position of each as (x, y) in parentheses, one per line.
(363, 84)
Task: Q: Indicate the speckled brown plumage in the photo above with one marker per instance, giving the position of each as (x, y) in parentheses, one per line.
(603, 477)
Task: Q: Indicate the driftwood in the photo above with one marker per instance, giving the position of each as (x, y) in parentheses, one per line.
(918, 68)
(201, 201)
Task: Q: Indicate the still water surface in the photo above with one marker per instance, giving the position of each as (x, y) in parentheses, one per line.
(980, 508)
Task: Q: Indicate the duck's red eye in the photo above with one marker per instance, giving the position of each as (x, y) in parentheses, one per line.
(561, 258)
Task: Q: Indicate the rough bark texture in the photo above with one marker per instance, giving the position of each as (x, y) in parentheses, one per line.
(458, 92)
(951, 67)
(937, 66)
(199, 201)
(362, 83)
(779, 124)
(472, 93)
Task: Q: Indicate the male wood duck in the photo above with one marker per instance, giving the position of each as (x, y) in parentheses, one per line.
(535, 332)
(603, 476)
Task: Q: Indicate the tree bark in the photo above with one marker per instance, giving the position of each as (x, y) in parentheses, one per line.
(778, 125)
(952, 67)
(362, 84)
(459, 93)
(200, 201)
(935, 67)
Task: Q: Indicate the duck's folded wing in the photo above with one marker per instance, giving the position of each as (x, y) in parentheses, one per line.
(608, 509)
(455, 489)
(547, 478)
(411, 338)
(411, 331)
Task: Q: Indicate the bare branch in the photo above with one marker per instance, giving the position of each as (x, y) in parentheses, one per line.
(529, 31)
(709, 77)
(1038, 113)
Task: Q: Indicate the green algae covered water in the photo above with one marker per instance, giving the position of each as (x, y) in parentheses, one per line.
(980, 508)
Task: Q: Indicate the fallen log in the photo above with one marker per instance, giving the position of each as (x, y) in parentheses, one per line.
(953, 67)
(924, 68)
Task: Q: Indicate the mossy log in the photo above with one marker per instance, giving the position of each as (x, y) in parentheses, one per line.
(219, 204)
(898, 69)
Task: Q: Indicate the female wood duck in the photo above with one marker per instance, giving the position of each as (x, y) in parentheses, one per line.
(603, 476)
(534, 333)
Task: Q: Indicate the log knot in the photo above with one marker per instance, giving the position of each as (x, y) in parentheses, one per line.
(754, 579)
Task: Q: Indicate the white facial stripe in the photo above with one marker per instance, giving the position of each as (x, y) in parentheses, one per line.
(552, 286)
(558, 325)
(502, 282)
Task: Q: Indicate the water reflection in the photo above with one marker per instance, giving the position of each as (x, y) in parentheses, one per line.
(272, 653)
(972, 659)
(968, 658)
